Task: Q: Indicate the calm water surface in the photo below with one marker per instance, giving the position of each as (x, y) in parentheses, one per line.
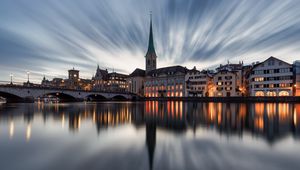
(150, 135)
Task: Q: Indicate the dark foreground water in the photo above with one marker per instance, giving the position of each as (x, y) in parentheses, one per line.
(150, 135)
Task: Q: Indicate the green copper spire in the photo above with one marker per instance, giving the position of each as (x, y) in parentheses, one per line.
(151, 49)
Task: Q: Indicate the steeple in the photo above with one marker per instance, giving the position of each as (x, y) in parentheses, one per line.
(151, 49)
(151, 54)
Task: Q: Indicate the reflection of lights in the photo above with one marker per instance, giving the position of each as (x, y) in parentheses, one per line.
(283, 111)
(79, 122)
(259, 108)
(63, 121)
(295, 117)
(28, 132)
(259, 123)
(11, 129)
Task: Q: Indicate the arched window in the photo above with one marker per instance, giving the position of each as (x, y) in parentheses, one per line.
(284, 93)
(259, 93)
(271, 93)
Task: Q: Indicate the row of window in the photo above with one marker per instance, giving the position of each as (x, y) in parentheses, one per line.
(196, 88)
(272, 78)
(197, 77)
(171, 81)
(197, 83)
(273, 85)
(168, 94)
(226, 78)
(272, 71)
(225, 88)
(227, 83)
(156, 88)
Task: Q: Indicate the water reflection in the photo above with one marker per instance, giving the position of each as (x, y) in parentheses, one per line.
(268, 121)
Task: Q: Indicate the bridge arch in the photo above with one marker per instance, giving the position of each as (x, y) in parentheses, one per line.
(95, 97)
(119, 97)
(10, 98)
(63, 97)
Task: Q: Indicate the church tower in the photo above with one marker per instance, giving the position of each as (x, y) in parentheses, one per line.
(150, 55)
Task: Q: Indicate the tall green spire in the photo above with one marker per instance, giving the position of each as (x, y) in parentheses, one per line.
(151, 49)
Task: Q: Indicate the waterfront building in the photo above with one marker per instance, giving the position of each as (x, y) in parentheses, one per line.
(104, 81)
(297, 78)
(273, 77)
(228, 81)
(117, 82)
(162, 82)
(73, 79)
(72, 82)
(100, 79)
(198, 83)
(166, 82)
(136, 81)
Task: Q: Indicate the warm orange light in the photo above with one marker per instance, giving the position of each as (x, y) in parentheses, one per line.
(28, 132)
(11, 129)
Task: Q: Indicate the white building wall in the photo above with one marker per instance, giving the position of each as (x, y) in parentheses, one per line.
(273, 77)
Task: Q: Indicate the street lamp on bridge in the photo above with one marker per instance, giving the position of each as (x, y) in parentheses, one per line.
(28, 76)
(11, 79)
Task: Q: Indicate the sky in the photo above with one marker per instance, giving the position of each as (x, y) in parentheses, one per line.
(51, 36)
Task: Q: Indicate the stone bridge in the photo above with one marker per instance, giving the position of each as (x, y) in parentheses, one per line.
(13, 93)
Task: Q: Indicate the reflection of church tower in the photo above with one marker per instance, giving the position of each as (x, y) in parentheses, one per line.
(151, 55)
(150, 141)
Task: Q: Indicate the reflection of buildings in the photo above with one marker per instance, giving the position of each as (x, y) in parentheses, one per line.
(150, 141)
(268, 120)
(168, 115)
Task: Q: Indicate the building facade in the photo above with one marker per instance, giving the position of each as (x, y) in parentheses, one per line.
(166, 82)
(227, 83)
(72, 82)
(198, 83)
(100, 79)
(296, 78)
(136, 81)
(273, 77)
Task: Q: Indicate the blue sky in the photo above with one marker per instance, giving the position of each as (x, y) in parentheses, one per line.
(51, 36)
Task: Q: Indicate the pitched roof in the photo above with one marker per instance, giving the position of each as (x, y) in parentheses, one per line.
(166, 70)
(254, 66)
(138, 73)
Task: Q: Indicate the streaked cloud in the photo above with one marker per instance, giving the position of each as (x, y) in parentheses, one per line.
(48, 37)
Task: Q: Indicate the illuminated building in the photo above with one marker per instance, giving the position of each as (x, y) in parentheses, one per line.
(273, 77)
(162, 82)
(117, 82)
(228, 80)
(166, 82)
(104, 81)
(198, 83)
(73, 82)
(297, 77)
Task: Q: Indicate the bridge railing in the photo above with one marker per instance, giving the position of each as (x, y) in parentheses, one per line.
(39, 86)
